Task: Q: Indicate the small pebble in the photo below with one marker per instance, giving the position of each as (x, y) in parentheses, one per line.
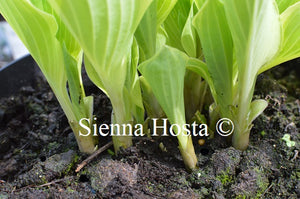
(201, 142)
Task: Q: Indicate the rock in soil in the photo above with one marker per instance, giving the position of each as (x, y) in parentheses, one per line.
(225, 161)
(250, 184)
(109, 175)
(43, 172)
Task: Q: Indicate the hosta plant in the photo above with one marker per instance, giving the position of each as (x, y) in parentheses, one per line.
(58, 55)
(104, 30)
(241, 39)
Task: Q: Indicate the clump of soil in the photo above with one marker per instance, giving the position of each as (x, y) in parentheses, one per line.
(38, 152)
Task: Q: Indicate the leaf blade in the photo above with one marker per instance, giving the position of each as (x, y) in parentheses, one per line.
(290, 45)
(167, 84)
(211, 25)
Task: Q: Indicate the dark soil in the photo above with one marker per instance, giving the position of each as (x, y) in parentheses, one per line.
(39, 155)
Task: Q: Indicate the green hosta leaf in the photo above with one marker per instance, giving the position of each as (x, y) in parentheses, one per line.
(284, 4)
(216, 41)
(132, 85)
(45, 38)
(194, 94)
(150, 40)
(165, 74)
(153, 108)
(145, 33)
(199, 3)
(36, 27)
(58, 55)
(63, 35)
(290, 24)
(161, 38)
(256, 108)
(93, 75)
(42, 5)
(255, 29)
(290, 45)
(133, 61)
(201, 69)
(167, 83)
(175, 22)
(74, 82)
(89, 106)
(105, 30)
(164, 7)
(189, 38)
(256, 35)
(73, 48)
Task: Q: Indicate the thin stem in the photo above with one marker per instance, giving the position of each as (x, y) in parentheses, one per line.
(91, 157)
(188, 154)
(186, 148)
(240, 138)
(86, 144)
(119, 116)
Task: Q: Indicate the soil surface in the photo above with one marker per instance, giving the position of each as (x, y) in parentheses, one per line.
(39, 155)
